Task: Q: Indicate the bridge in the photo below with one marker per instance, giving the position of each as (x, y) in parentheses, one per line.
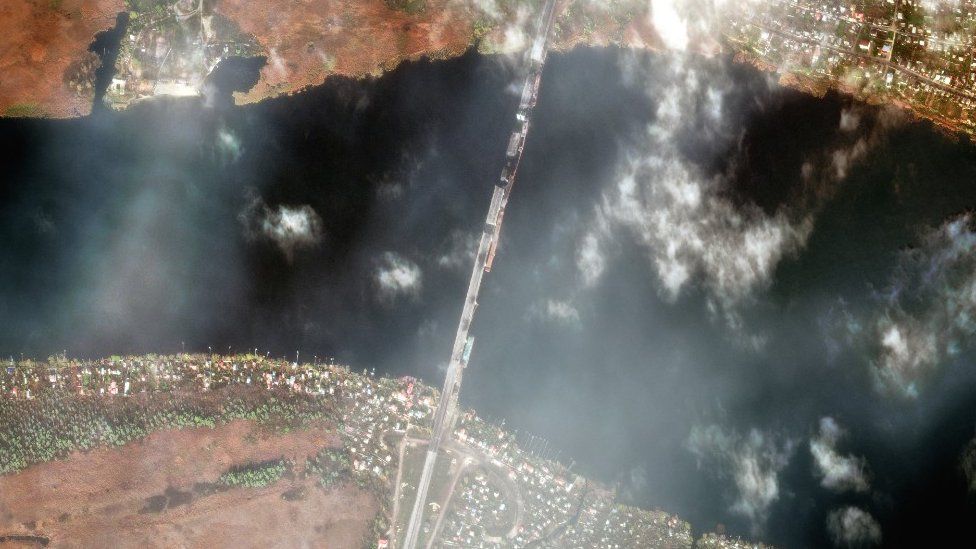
(447, 410)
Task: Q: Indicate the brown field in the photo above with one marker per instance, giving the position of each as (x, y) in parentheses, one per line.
(101, 498)
(44, 49)
(47, 70)
(44, 53)
(307, 41)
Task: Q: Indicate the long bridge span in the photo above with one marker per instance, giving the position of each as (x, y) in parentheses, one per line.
(446, 413)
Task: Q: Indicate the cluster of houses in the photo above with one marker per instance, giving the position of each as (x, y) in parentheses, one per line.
(920, 53)
(377, 411)
(530, 501)
(126, 376)
(513, 499)
(480, 516)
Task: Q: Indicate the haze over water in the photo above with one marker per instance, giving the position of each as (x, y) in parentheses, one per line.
(340, 222)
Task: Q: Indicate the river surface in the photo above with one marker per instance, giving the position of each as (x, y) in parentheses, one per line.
(161, 228)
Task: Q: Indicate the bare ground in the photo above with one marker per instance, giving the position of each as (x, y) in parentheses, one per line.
(44, 48)
(309, 40)
(44, 55)
(153, 493)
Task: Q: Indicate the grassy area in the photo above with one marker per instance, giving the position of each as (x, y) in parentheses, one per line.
(408, 6)
(55, 424)
(25, 110)
(331, 466)
(413, 461)
(482, 27)
(142, 6)
(254, 475)
(413, 464)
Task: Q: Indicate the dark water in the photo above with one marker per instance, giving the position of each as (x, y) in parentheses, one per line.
(121, 233)
(106, 46)
(234, 74)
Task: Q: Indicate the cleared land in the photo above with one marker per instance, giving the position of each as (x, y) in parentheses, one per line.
(162, 492)
(205, 451)
(307, 42)
(917, 57)
(45, 66)
(47, 69)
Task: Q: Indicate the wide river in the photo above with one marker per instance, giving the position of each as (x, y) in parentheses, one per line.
(691, 268)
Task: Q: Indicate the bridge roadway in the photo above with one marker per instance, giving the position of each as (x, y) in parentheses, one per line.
(446, 413)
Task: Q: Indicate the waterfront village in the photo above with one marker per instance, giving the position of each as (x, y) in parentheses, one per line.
(490, 491)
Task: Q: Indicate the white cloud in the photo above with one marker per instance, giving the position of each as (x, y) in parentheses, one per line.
(513, 26)
(228, 144)
(929, 310)
(968, 463)
(753, 463)
(518, 34)
(488, 8)
(692, 230)
(589, 259)
(459, 251)
(850, 119)
(837, 472)
(632, 484)
(561, 310)
(697, 232)
(857, 136)
(669, 24)
(44, 223)
(276, 65)
(853, 527)
(554, 310)
(390, 191)
(289, 227)
(843, 158)
(397, 276)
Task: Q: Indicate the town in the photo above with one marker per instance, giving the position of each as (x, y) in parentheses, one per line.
(487, 492)
(170, 48)
(918, 54)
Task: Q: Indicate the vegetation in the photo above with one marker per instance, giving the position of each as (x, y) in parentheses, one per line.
(25, 110)
(55, 424)
(142, 6)
(408, 6)
(378, 528)
(482, 27)
(254, 475)
(48, 409)
(331, 466)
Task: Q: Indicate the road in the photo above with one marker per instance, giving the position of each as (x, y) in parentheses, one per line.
(446, 414)
(890, 64)
(472, 459)
(435, 532)
(398, 482)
